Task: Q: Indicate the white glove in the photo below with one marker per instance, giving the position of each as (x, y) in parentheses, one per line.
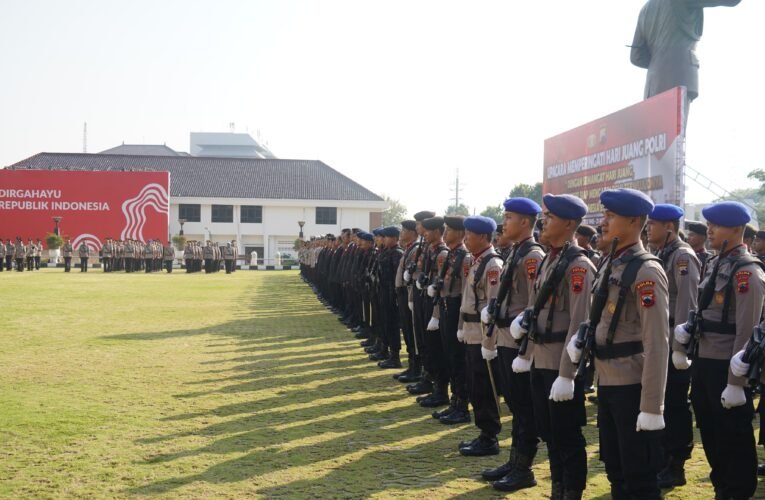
(573, 351)
(515, 328)
(432, 324)
(737, 365)
(487, 354)
(418, 285)
(411, 306)
(681, 334)
(680, 360)
(460, 336)
(407, 276)
(485, 314)
(562, 389)
(521, 365)
(432, 291)
(649, 422)
(732, 396)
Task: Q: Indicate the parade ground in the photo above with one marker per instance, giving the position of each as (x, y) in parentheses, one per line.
(193, 385)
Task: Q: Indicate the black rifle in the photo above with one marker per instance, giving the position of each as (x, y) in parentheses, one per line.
(439, 284)
(585, 335)
(529, 319)
(504, 290)
(412, 267)
(755, 356)
(695, 318)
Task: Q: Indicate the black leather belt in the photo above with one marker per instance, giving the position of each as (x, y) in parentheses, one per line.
(717, 327)
(502, 323)
(550, 338)
(620, 350)
(471, 318)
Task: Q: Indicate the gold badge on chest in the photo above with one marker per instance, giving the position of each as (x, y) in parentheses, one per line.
(719, 298)
(611, 307)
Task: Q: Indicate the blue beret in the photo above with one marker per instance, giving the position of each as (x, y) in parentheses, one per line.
(626, 202)
(391, 231)
(366, 236)
(566, 206)
(377, 231)
(523, 206)
(480, 224)
(727, 214)
(665, 212)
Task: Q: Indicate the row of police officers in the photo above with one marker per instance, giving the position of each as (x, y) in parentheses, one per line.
(20, 256)
(529, 312)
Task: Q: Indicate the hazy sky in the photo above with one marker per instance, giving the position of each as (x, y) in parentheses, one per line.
(395, 94)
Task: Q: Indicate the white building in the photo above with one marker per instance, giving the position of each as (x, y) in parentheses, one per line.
(256, 201)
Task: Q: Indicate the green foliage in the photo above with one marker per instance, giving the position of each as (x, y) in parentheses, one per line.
(527, 191)
(179, 241)
(495, 213)
(53, 241)
(460, 209)
(395, 213)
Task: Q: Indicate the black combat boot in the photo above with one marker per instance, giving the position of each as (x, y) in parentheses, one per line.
(421, 387)
(414, 375)
(368, 343)
(673, 474)
(482, 447)
(520, 476)
(499, 472)
(572, 494)
(440, 413)
(381, 355)
(440, 397)
(460, 415)
(393, 361)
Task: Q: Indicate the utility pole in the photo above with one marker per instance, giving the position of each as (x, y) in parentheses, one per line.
(456, 190)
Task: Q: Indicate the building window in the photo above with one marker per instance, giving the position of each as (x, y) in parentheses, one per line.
(251, 213)
(326, 215)
(191, 213)
(223, 213)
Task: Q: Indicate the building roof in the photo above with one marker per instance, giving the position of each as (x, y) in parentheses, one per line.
(227, 144)
(141, 149)
(204, 177)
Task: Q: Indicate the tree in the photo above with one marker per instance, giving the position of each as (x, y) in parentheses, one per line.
(460, 209)
(496, 213)
(752, 196)
(526, 191)
(395, 213)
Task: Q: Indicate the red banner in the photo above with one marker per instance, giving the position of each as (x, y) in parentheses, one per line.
(640, 147)
(93, 206)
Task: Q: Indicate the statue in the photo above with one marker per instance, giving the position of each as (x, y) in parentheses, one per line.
(665, 44)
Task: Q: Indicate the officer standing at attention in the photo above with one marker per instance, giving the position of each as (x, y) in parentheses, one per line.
(449, 299)
(84, 253)
(721, 401)
(30, 255)
(168, 253)
(68, 251)
(758, 247)
(697, 238)
(407, 241)
(20, 253)
(387, 293)
(517, 279)
(9, 253)
(631, 349)
(38, 253)
(558, 398)
(683, 270)
(228, 257)
(480, 287)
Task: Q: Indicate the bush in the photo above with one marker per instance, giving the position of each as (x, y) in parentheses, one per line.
(179, 241)
(53, 241)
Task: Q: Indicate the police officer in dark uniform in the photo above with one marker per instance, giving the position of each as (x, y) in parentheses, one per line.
(388, 302)
(697, 239)
(408, 242)
(683, 270)
(722, 401)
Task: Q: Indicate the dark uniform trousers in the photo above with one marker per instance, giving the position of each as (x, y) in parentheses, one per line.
(419, 329)
(560, 426)
(453, 350)
(632, 458)
(516, 389)
(390, 319)
(8, 262)
(67, 264)
(405, 321)
(435, 362)
(83, 264)
(727, 435)
(482, 398)
(677, 438)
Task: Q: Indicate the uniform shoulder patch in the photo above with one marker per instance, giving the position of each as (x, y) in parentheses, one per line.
(531, 267)
(493, 276)
(577, 278)
(682, 266)
(647, 294)
(742, 281)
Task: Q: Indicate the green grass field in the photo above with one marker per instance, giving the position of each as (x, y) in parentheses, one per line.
(115, 385)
